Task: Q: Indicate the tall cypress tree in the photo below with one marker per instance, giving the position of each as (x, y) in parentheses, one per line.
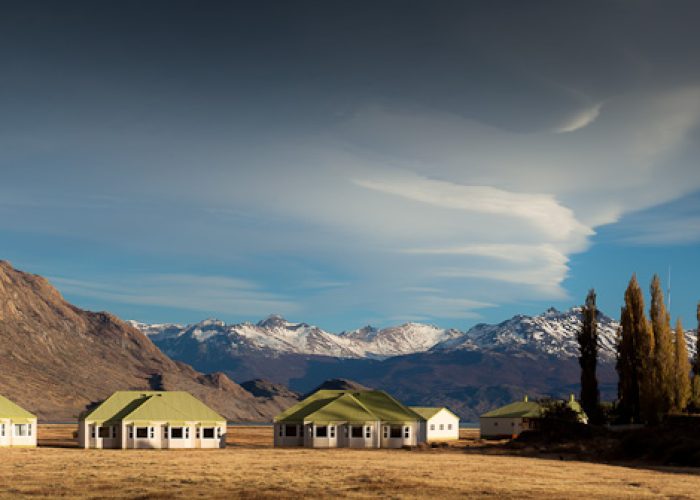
(634, 361)
(664, 373)
(588, 346)
(681, 385)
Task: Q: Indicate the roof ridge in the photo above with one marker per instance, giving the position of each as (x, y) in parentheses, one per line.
(361, 405)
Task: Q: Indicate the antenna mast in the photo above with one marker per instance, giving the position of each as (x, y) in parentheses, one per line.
(668, 293)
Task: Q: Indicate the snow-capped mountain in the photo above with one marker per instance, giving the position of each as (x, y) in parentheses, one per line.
(552, 333)
(276, 335)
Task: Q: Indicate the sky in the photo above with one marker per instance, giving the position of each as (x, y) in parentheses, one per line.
(350, 163)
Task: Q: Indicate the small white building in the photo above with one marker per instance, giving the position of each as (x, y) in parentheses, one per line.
(511, 420)
(17, 425)
(439, 424)
(152, 419)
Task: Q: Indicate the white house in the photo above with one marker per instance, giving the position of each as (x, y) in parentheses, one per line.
(348, 419)
(514, 418)
(17, 425)
(152, 419)
(439, 424)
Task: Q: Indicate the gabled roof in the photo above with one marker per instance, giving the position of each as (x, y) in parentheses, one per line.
(348, 406)
(429, 412)
(171, 406)
(519, 409)
(8, 409)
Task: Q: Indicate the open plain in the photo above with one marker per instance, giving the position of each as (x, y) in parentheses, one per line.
(251, 468)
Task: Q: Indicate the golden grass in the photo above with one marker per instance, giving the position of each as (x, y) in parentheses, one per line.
(252, 468)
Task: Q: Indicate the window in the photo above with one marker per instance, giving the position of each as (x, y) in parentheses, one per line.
(495, 424)
(92, 431)
(290, 430)
(176, 433)
(29, 430)
(346, 430)
(321, 431)
(406, 432)
(432, 427)
(368, 432)
(104, 432)
(114, 431)
(332, 431)
(142, 433)
(386, 432)
(281, 430)
(301, 430)
(395, 431)
(131, 432)
(22, 430)
(2, 430)
(165, 432)
(198, 433)
(187, 432)
(356, 431)
(218, 432)
(208, 433)
(152, 432)
(449, 427)
(442, 427)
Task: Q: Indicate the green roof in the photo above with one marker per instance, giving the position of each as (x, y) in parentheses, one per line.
(519, 409)
(8, 409)
(171, 406)
(348, 406)
(530, 409)
(428, 412)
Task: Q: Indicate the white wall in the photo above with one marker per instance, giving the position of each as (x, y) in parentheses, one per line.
(11, 437)
(158, 436)
(443, 426)
(502, 427)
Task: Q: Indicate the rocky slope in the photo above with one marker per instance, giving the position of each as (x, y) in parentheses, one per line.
(56, 359)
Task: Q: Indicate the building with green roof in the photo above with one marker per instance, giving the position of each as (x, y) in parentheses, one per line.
(152, 419)
(17, 425)
(348, 419)
(514, 418)
(440, 424)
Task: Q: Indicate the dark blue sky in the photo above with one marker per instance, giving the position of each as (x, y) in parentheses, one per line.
(347, 163)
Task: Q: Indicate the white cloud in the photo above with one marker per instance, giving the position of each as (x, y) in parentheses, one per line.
(580, 119)
(210, 294)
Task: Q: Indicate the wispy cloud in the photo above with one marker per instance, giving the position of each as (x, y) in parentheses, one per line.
(580, 119)
(211, 294)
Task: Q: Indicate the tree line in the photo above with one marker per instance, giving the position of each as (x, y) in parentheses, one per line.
(653, 366)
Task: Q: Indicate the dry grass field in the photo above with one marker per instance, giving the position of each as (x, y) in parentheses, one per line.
(251, 468)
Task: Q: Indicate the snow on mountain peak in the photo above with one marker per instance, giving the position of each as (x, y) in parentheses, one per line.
(552, 333)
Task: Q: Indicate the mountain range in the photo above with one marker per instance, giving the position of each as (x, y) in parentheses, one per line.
(471, 371)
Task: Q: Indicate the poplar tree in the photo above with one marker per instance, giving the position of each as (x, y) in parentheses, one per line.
(634, 356)
(588, 347)
(695, 398)
(682, 370)
(664, 372)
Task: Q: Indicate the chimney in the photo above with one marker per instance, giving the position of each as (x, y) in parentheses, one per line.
(572, 399)
(525, 398)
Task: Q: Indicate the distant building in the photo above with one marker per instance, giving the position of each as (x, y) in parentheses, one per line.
(348, 419)
(152, 419)
(439, 424)
(514, 418)
(17, 425)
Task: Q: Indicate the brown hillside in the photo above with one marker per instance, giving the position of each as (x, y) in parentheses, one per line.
(55, 359)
